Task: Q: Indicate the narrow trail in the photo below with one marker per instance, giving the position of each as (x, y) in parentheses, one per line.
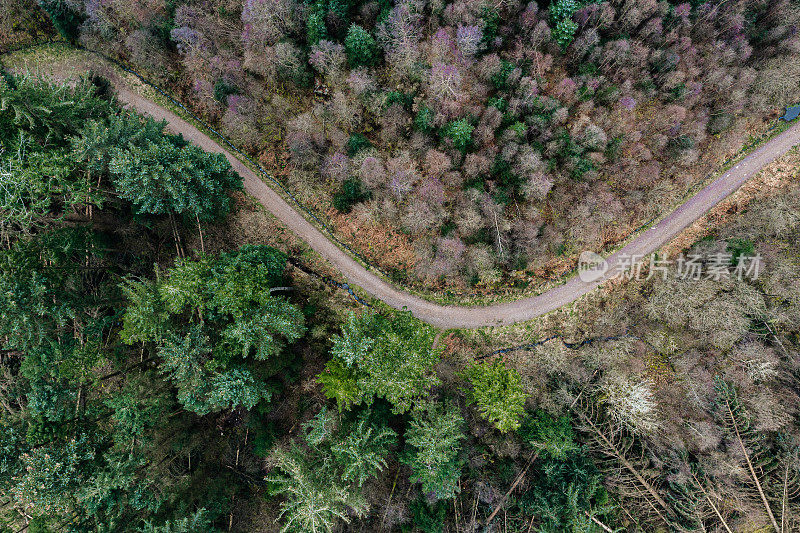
(450, 316)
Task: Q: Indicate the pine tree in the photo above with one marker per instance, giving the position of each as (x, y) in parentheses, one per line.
(321, 480)
(340, 383)
(65, 17)
(39, 188)
(360, 46)
(315, 25)
(316, 498)
(197, 521)
(389, 357)
(567, 493)
(157, 172)
(460, 132)
(555, 437)
(172, 177)
(146, 315)
(51, 476)
(497, 391)
(207, 318)
(362, 448)
(50, 112)
(435, 434)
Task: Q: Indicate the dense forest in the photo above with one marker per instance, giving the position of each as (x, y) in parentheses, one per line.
(466, 143)
(147, 386)
(159, 376)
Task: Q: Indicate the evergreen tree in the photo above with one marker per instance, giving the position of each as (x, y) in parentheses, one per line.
(390, 357)
(157, 172)
(351, 193)
(360, 46)
(65, 17)
(39, 187)
(49, 112)
(315, 496)
(138, 407)
(497, 391)
(435, 434)
(361, 450)
(51, 476)
(321, 480)
(91, 436)
(553, 436)
(460, 132)
(564, 28)
(315, 25)
(207, 318)
(567, 491)
(197, 521)
(186, 362)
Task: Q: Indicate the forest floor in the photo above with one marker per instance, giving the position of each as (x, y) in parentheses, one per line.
(450, 316)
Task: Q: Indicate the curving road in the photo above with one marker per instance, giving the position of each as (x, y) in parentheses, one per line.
(472, 317)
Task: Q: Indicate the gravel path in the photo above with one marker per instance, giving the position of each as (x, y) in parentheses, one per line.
(481, 316)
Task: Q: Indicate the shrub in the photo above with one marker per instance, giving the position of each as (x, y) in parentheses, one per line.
(613, 148)
(291, 65)
(360, 46)
(580, 167)
(351, 193)
(498, 102)
(719, 123)
(740, 248)
(679, 144)
(223, 89)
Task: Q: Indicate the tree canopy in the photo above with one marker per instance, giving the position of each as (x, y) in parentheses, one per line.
(321, 477)
(434, 434)
(209, 320)
(497, 392)
(385, 356)
(157, 172)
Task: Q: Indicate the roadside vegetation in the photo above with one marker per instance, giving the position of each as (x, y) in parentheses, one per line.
(485, 144)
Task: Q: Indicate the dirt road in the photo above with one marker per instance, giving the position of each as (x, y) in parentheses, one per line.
(473, 317)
